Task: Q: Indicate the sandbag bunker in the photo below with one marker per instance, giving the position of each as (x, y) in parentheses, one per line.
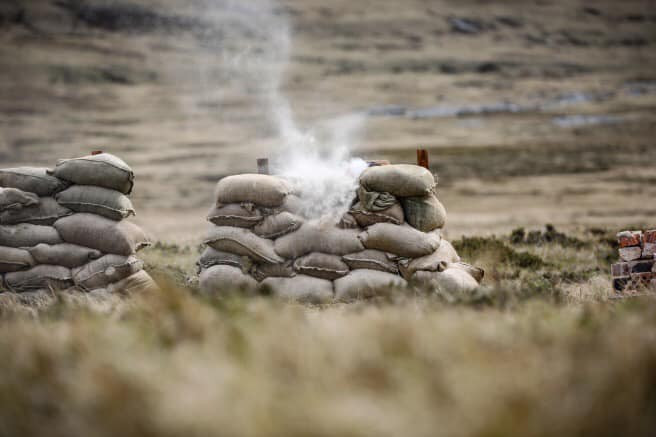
(262, 238)
(66, 227)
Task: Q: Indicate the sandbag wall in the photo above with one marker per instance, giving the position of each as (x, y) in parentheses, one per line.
(67, 227)
(261, 238)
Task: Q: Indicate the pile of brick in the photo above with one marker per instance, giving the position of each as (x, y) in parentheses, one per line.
(636, 271)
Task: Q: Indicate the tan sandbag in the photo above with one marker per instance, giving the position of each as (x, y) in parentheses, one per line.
(106, 270)
(425, 213)
(348, 222)
(212, 257)
(400, 180)
(365, 218)
(277, 225)
(375, 201)
(235, 214)
(100, 233)
(108, 203)
(65, 254)
(301, 288)
(13, 198)
(32, 180)
(220, 279)
(292, 204)
(102, 170)
(445, 254)
(242, 242)
(27, 235)
(263, 190)
(46, 212)
(139, 282)
(475, 272)
(362, 284)
(321, 265)
(452, 280)
(313, 237)
(284, 270)
(371, 259)
(403, 241)
(13, 260)
(40, 277)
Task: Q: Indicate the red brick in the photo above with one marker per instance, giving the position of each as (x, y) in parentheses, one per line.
(620, 269)
(629, 238)
(649, 236)
(630, 253)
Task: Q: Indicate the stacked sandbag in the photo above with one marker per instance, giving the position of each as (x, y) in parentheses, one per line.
(261, 238)
(67, 226)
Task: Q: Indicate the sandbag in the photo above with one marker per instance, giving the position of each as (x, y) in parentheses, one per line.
(46, 212)
(220, 279)
(400, 180)
(277, 225)
(314, 237)
(32, 180)
(235, 214)
(67, 255)
(451, 280)
(27, 235)
(100, 233)
(321, 265)
(301, 288)
(283, 270)
(108, 203)
(404, 241)
(13, 260)
(106, 270)
(364, 218)
(292, 204)
(242, 242)
(371, 259)
(362, 284)
(212, 257)
(348, 222)
(375, 201)
(102, 170)
(263, 190)
(425, 213)
(445, 254)
(40, 277)
(475, 272)
(139, 282)
(13, 198)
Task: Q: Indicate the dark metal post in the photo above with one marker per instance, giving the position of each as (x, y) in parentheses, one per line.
(263, 165)
(422, 158)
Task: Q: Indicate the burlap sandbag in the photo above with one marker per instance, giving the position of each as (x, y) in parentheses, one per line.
(40, 277)
(425, 213)
(475, 272)
(139, 282)
(277, 225)
(400, 180)
(106, 270)
(451, 280)
(13, 260)
(243, 215)
(242, 242)
(362, 284)
(321, 265)
(445, 254)
(65, 254)
(46, 212)
(263, 190)
(32, 180)
(13, 198)
(27, 235)
(292, 204)
(348, 222)
(364, 217)
(375, 201)
(371, 259)
(301, 288)
(284, 270)
(313, 237)
(102, 170)
(100, 233)
(96, 200)
(221, 279)
(212, 257)
(403, 241)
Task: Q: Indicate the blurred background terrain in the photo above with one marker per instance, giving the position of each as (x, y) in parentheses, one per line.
(534, 111)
